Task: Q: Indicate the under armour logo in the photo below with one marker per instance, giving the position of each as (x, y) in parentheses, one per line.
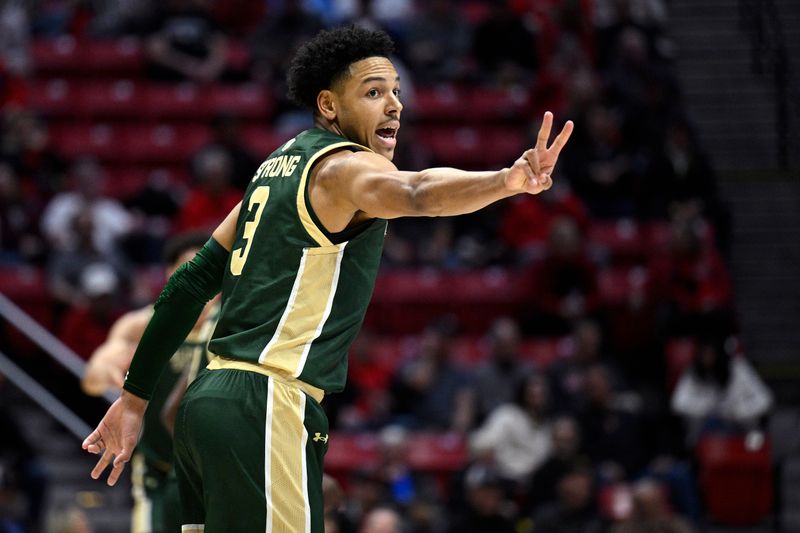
(319, 437)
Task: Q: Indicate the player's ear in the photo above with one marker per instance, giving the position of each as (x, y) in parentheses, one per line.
(326, 104)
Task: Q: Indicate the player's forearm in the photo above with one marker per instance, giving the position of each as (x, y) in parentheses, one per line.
(175, 313)
(449, 191)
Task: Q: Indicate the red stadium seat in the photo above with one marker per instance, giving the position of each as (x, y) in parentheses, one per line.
(736, 478)
(262, 141)
(441, 102)
(500, 105)
(54, 97)
(679, 353)
(248, 100)
(110, 99)
(618, 240)
(68, 56)
(471, 147)
(124, 181)
(163, 143)
(176, 101)
(101, 141)
(617, 284)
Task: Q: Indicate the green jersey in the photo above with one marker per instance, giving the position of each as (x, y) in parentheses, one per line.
(156, 442)
(294, 296)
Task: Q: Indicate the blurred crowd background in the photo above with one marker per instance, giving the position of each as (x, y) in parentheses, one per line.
(567, 362)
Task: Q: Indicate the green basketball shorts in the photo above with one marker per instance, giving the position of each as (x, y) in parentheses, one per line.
(148, 495)
(248, 455)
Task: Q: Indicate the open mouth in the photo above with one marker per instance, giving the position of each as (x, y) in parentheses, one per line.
(387, 133)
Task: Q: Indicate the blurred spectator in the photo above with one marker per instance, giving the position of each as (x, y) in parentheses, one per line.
(213, 197)
(518, 434)
(366, 492)
(275, 40)
(153, 208)
(651, 513)
(569, 374)
(574, 511)
(497, 380)
(430, 392)
(405, 486)
(680, 178)
(565, 281)
(598, 166)
(14, 39)
(566, 447)
(70, 520)
(186, 43)
(109, 220)
(528, 219)
(382, 520)
(614, 17)
(720, 392)
(25, 145)
(484, 510)
(368, 379)
(692, 278)
(227, 138)
(505, 47)
(86, 325)
(612, 435)
(437, 42)
(19, 236)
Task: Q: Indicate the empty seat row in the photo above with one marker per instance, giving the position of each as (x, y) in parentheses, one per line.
(129, 99)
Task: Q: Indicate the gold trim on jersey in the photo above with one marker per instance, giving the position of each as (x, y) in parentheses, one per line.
(221, 363)
(307, 310)
(288, 508)
(302, 210)
(142, 514)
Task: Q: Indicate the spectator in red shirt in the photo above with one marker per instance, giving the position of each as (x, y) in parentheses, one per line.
(565, 281)
(213, 197)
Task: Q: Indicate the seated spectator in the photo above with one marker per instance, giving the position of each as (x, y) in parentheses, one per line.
(25, 144)
(366, 492)
(566, 446)
(720, 392)
(227, 137)
(153, 208)
(566, 282)
(505, 47)
(430, 392)
(382, 520)
(186, 43)
(484, 510)
(528, 219)
(19, 235)
(65, 269)
(598, 165)
(274, 41)
(568, 375)
(110, 222)
(498, 379)
(574, 511)
(405, 487)
(518, 434)
(213, 197)
(85, 326)
(651, 512)
(692, 278)
(612, 435)
(437, 42)
(680, 177)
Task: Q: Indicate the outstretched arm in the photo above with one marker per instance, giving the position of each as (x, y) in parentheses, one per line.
(175, 313)
(351, 182)
(109, 362)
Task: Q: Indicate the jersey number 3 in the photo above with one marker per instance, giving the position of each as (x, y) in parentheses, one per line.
(239, 255)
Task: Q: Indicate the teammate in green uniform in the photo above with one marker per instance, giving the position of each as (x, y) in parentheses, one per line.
(106, 371)
(296, 263)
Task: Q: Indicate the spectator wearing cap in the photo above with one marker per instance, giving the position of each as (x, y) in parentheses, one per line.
(485, 503)
(86, 325)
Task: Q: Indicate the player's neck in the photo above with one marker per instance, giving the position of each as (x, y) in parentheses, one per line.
(323, 123)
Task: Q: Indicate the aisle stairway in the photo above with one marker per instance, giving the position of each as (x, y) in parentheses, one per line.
(733, 107)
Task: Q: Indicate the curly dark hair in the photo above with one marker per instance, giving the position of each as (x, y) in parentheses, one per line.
(320, 62)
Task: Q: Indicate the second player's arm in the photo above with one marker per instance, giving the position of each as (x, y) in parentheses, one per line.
(175, 313)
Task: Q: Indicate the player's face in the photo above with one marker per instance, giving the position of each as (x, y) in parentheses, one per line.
(369, 105)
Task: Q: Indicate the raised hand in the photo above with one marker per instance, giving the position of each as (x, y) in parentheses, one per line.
(532, 172)
(116, 435)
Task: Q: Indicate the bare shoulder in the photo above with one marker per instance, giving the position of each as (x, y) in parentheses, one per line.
(348, 164)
